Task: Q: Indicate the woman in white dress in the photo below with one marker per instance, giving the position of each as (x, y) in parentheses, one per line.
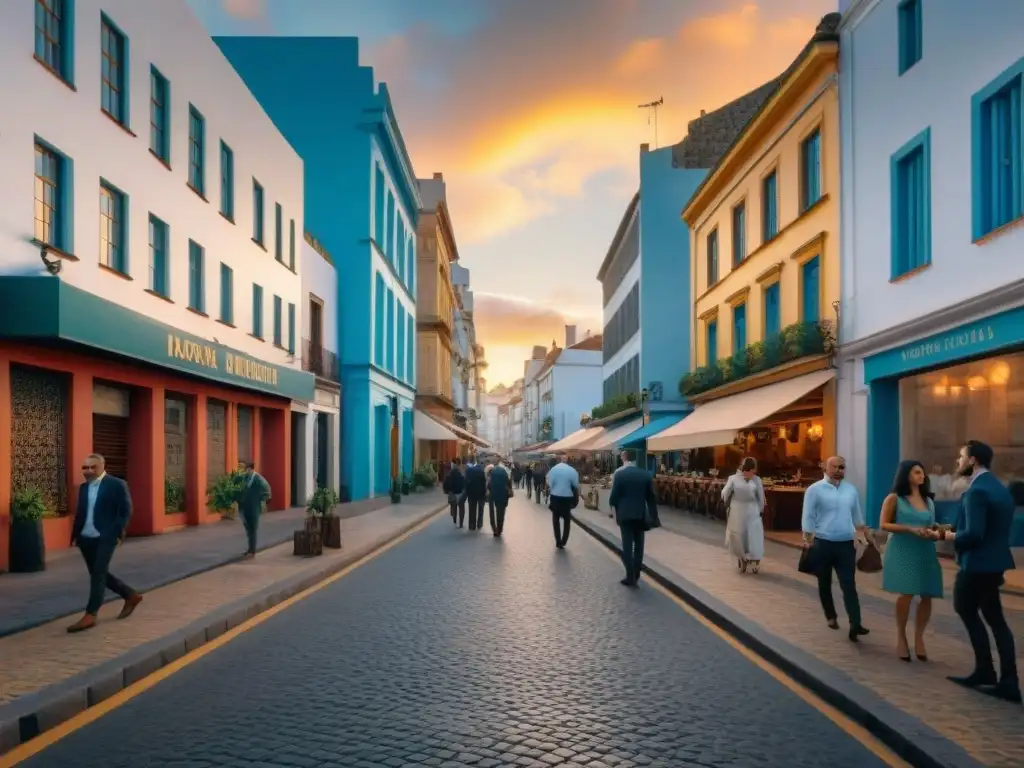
(744, 533)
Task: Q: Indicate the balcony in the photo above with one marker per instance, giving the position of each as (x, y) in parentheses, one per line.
(320, 361)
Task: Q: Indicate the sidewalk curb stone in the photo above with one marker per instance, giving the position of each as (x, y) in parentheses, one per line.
(909, 737)
(35, 713)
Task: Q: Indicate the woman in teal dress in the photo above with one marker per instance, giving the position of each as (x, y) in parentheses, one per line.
(910, 566)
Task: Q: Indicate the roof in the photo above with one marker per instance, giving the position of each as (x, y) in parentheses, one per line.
(591, 343)
(549, 361)
(619, 234)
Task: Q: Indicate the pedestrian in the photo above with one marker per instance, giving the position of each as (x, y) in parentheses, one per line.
(454, 485)
(564, 484)
(744, 531)
(540, 476)
(832, 521)
(528, 475)
(476, 493)
(487, 474)
(910, 566)
(255, 493)
(499, 487)
(101, 522)
(982, 544)
(636, 509)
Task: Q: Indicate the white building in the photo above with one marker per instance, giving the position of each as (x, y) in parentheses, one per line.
(932, 311)
(568, 385)
(150, 215)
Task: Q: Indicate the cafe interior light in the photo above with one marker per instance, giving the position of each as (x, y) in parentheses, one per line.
(815, 431)
(1000, 373)
(977, 383)
(783, 433)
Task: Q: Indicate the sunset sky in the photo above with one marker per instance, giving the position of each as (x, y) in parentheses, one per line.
(529, 108)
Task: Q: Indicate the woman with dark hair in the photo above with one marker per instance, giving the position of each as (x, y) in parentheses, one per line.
(744, 531)
(910, 565)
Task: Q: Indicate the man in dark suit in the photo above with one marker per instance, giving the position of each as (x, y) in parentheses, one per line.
(454, 485)
(982, 543)
(476, 494)
(636, 509)
(101, 519)
(499, 485)
(255, 493)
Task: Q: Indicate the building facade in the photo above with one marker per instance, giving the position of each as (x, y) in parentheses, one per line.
(766, 274)
(933, 285)
(468, 362)
(568, 384)
(319, 464)
(362, 201)
(148, 296)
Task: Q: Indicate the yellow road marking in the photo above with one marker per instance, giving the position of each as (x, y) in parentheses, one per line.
(849, 726)
(48, 738)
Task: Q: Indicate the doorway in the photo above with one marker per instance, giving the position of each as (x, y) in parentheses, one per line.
(322, 446)
(298, 459)
(111, 427)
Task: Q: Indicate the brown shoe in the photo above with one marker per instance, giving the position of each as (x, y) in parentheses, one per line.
(129, 606)
(88, 621)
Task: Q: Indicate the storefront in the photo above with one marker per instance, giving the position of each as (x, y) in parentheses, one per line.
(928, 397)
(170, 412)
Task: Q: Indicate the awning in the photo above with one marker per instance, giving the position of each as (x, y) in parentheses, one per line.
(654, 427)
(571, 442)
(718, 422)
(428, 429)
(460, 433)
(609, 439)
(534, 447)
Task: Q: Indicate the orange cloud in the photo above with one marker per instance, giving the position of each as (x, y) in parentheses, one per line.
(244, 9)
(641, 57)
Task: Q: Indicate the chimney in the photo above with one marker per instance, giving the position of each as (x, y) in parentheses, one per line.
(438, 177)
(539, 352)
(570, 335)
(645, 148)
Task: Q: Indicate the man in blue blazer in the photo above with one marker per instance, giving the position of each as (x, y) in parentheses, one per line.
(636, 512)
(982, 544)
(101, 520)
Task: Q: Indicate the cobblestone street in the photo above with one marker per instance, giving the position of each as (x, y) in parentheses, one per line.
(457, 649)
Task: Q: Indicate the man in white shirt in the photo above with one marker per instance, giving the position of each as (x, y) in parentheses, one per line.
(564, 486)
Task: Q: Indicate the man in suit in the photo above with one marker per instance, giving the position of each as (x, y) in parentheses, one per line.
(982, 544)
(636, 507)
(454, 485)
(101, 520)
(255, 493)
(563, 482)
(499, 485)
(476, 494)
(540, 478)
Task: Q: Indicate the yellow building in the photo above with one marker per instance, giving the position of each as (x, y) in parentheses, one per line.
(765, 275)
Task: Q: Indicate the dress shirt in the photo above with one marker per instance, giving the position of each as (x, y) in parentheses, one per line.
(562, 480)
(831, 512)
(975, 475)
(89, 529)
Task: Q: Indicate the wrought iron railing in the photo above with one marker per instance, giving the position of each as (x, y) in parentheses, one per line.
(320, 361)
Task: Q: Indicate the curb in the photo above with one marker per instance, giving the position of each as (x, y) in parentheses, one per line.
(913, 740)
(35, 713)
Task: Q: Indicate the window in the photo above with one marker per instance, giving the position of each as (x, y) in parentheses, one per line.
(770, 207)
(810, 170)
(378, 207)
(257, 311)
(713, 257)
(54, 36)
(811, 300)
(712, 341)
(911, 206)
(278, 322)
(196, 288)
(998, 153)
(772, 311)
(739, 233)
(739, 328)
(378, 321)
(227, 182)
(291, 244)
(389, 237)
(158, 267)
(52, 193)
(159, 115)
(411, 273)
(410, 349)
(114, 72)
(291, 329)
(278, 233)
(196, 150)
(401, 342)
(911, 34)
(400, 256)
(113, 228)
(257, 212)
(389, 351)
(227, 295)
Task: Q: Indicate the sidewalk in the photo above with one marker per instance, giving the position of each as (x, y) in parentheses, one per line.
(777, 612)
(30, 599)
(49, 676)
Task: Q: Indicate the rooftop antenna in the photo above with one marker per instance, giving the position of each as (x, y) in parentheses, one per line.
(652, 113)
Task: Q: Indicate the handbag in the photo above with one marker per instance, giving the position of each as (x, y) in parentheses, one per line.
(870, 560)
(808, 560)
(651, 519)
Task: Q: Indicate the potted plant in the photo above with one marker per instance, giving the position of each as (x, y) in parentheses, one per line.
(406, 485)
(174, 496)
(320, 506)
(27, 544)
(223, 494)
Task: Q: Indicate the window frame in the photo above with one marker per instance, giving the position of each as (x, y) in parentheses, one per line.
(196, 277)
(257, 311)
(259, 214)
(902, 261)
(159, 111)
(712, 256)
(227, 181)
(910, 34)
(770, 201)
(159, 273)
(61, 14)
(196, 151)
(227, 297)
(117, 90)
(806, 202)
(739, 232)
(116, 232)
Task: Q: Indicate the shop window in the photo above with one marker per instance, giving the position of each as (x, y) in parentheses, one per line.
(244, 434)
(216, 440)
(175, 453)
(941, 410)
(39, 424)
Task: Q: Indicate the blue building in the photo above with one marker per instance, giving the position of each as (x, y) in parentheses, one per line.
(362, 201)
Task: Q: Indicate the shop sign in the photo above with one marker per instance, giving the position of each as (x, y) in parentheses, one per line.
(231, 364)
(969, 340)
